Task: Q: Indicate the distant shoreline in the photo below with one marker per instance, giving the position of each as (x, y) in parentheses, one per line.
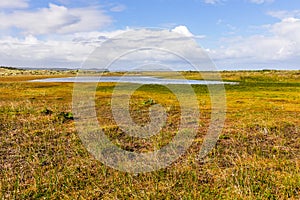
(104, 70)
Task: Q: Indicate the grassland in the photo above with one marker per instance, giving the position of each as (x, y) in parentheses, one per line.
(256, 157)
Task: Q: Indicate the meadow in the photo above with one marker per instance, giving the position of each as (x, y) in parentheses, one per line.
(257, 155)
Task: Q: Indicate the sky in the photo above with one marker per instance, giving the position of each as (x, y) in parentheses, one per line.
(235, 34)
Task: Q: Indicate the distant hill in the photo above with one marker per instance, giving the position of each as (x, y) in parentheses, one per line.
(14, 71)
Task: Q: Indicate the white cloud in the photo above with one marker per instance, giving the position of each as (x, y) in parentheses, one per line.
(95, 38)
(33, 52)
(288, 29)
(14, 4)
(68, 50)
(118, 8)
(71, 50)
(151, 48)
(256, 47)
(212, 1)
(55, 19)
(65, 2)
(261, 1)
(283, 14)
(280, 45)
(183, 30)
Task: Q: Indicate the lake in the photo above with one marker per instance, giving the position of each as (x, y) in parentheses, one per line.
(130, 79)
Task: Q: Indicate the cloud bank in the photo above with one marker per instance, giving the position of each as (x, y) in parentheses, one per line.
(14, 4)
(54, 19)
(279, 47)
(261, 1)
(59, 36)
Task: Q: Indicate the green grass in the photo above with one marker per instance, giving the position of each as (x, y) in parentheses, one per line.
(256, 157)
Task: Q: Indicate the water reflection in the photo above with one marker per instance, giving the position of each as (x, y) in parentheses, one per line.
(131, 79)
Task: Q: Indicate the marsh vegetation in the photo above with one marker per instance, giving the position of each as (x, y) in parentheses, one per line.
(257, 155)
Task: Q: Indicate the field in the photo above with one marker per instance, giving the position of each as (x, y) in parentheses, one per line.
(257, 155)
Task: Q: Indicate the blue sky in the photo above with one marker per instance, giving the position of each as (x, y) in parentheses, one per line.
(236, 34)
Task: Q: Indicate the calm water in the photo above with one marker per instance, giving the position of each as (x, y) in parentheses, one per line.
(131, 79)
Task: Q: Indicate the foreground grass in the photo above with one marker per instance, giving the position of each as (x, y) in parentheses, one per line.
(257, 156)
